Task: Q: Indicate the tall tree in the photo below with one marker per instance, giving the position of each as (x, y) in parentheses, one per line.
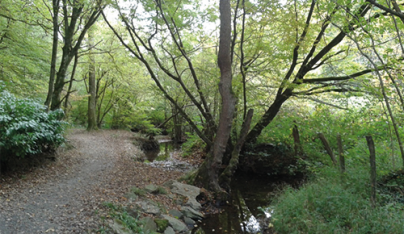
(74, 13)
(319, 53)
(168, 48)
(55, 41)
(214, 159)
(92, 87)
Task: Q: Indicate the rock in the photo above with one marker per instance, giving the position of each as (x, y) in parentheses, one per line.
(193, 203)
(191, 213)
(185, 189)
(175, 213)
(133, 212)
(189, 191)
(148, 208)
(131, 196)
(176, 224)
(169, 230)
(162, 224)
(151, 188)
(149, 225)
(190, 222)
(118, 228)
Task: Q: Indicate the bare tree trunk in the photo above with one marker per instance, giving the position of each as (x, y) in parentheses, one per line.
(55, 17)
(92, 87)
(71, 43)
(69, 89)
(209, 171)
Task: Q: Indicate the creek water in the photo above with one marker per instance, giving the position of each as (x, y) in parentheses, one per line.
(249, 209)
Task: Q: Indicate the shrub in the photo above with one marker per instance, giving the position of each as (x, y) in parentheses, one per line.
(328, 204)
(26, 128)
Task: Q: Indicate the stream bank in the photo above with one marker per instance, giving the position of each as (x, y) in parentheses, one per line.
(248, 210)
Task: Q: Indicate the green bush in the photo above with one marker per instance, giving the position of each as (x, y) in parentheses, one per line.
(328, 204)
(26, 128)
(192, 144)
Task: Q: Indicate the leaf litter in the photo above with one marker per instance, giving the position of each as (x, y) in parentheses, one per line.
(66, 196)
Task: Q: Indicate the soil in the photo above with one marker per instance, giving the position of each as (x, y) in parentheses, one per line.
(66, 196)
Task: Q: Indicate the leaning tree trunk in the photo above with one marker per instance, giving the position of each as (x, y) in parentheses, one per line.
(209, 171)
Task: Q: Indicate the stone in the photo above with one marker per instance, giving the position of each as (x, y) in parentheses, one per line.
(190, 222)
(191, 213)
(148, 208)
(185, 189)
(149, 225)
(162, 224)
(189, 191)
(175, 213)
(118, 228)
(169, 230)
(176, 224)
(194, 204)
(133, 212)
(151, 188)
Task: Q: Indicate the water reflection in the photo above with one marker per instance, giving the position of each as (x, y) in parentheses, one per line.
(164, 157)
(249, 210)
(163, 153)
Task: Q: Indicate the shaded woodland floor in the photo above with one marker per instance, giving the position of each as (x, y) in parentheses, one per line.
(66, 196)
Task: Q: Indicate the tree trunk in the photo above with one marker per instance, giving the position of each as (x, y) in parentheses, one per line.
(55, 17)
(92, 87)
(60, 79)
(225, 177)
(71, 30)
(69, 89)
(266, 119)
(177, 128)
(213, 161)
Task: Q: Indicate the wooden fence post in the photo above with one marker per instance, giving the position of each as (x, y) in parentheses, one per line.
(372, 152)
(296, 138)
(341, 154)
(327, 148)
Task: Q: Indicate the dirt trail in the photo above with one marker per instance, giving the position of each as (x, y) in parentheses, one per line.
(64, 197)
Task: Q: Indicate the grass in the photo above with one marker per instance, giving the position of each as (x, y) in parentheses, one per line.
(331, 204)
(121, 217)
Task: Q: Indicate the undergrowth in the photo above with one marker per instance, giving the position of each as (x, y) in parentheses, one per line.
(122, 220)
(330, 203)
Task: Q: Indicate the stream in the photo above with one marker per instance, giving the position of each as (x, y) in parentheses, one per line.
(248, 210)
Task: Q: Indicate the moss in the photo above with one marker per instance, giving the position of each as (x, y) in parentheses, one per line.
(161, 190)
(162, 224)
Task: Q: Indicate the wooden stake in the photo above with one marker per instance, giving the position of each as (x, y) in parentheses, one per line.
(341, 154)
(372, 152)
(327, 148)
(296, 139)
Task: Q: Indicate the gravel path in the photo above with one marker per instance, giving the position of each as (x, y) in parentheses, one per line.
(60, 197)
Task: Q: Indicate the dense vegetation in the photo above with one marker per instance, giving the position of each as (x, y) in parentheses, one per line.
(330, 67)
(26, 129)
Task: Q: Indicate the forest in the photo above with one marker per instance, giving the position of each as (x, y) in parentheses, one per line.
(311, 90)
